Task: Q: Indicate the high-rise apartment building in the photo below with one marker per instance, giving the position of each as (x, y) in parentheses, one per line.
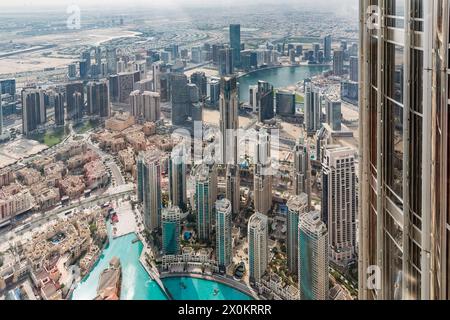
(313, 108)
(235, 43)
(200, 80)
(258, 249)
(205, 199)
(145, 104)
(33, 109)
(265, 97)
(177, 178)
(74, 103)
(223, 233)
(98, 99)
(297, 206)
(149, 187)
(59, 108)
(327, 47)
(180, 98)
(333, 113)
(313, 257)
(354, 69)
(302, 174)
(339, 206)
(170, 227)
(338, 62)
(229, 125)
(262, 175)
(111, 60)
(226, 62)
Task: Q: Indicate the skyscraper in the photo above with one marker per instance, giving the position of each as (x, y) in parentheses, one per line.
(177, 178)
(404, 166)
(151, 105)
(327, 47)
(180, 98)
(170, 225)
(98, 99)
(313, 257)
(312, 109)
(334, 115)
(229, 125)
(33, 109)
(297, 207)
(199, 79)
(223, 233)
(149, 187)
(338, 62)
(285, 103)
(73, 107)
(205, 198)
(111, 60)
(302, 181)
(262, 175)
(354, 67)
(265, 101)
(226, 61)
(253, 97)
(235, 43)
(59, 109)
(258, 249)
(339, 207)
(146, 104)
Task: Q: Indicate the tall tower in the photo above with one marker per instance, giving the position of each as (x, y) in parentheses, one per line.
(235, 43)
(297, 207)
(258, 250)
(327, 48)
(59, 109)
(338, 62)
(111, 60)
(404, 138)
(262, 173)
(229, 125)
(180, 98)
(223, 233)
(339, 207)
(334, 115)
(313, 257)
(226, 61)
(98, 99)
(265, 101)
(312, 109)
(302, 180)
(74, 109)
(149, 187)
(170, 225)
(205, 198)
(33, 109)
(177, 178)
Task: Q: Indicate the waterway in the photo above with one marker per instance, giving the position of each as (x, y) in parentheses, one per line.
(278, 77)
(137, 284)
(186, 288)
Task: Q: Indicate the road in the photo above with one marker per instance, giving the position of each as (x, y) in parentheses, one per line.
(42, 218)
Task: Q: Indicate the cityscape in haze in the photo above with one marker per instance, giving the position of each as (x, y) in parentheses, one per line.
(193, 150)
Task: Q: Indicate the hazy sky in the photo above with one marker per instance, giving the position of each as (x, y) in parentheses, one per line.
(27, 4)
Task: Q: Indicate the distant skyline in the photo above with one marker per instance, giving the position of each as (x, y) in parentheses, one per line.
(339, 5)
